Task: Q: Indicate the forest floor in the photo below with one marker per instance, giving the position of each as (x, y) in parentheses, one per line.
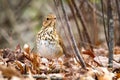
(24, 64)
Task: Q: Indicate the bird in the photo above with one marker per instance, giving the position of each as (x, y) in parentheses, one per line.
(49, 42)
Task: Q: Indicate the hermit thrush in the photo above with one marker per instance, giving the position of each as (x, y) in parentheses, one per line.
(49, 43)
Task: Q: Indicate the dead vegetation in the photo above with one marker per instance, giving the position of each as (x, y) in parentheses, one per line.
(90, 31)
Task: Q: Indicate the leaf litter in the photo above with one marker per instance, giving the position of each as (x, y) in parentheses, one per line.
(23, 64)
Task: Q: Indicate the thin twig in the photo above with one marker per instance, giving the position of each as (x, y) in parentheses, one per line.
(105, 31)
(95, 30)
(6, 36)
(99, 13)
(59, 16)
(79, 14)
(72, 38)
(44, 77)
(77, 25)
(9, 13)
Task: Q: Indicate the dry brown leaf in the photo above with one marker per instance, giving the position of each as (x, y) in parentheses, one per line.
(88, 75)
(99, 73)
(100, 52)
(27, 48)
(118, 79)
(117, 50)
(118, 75)
(117, 72)
(20, 66)
(33, 57)
(103, 74)
(9, 71)
(104, 61)
(117, 57)
(88, 52)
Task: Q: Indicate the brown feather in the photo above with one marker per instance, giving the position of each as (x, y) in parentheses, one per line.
(63, 46)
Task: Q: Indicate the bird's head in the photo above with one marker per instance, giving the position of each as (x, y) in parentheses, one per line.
(49, 21)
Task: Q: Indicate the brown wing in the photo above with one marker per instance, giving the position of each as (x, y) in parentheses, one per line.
(63, 46)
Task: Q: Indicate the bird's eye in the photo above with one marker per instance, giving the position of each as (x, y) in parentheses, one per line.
(47, 18)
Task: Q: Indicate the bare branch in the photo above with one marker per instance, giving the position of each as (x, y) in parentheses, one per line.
(72, 38)
(77, 25)
(110, 33)
(79, 14)
(103, 17)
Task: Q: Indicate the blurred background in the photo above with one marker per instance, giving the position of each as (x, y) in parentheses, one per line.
(20, 20)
